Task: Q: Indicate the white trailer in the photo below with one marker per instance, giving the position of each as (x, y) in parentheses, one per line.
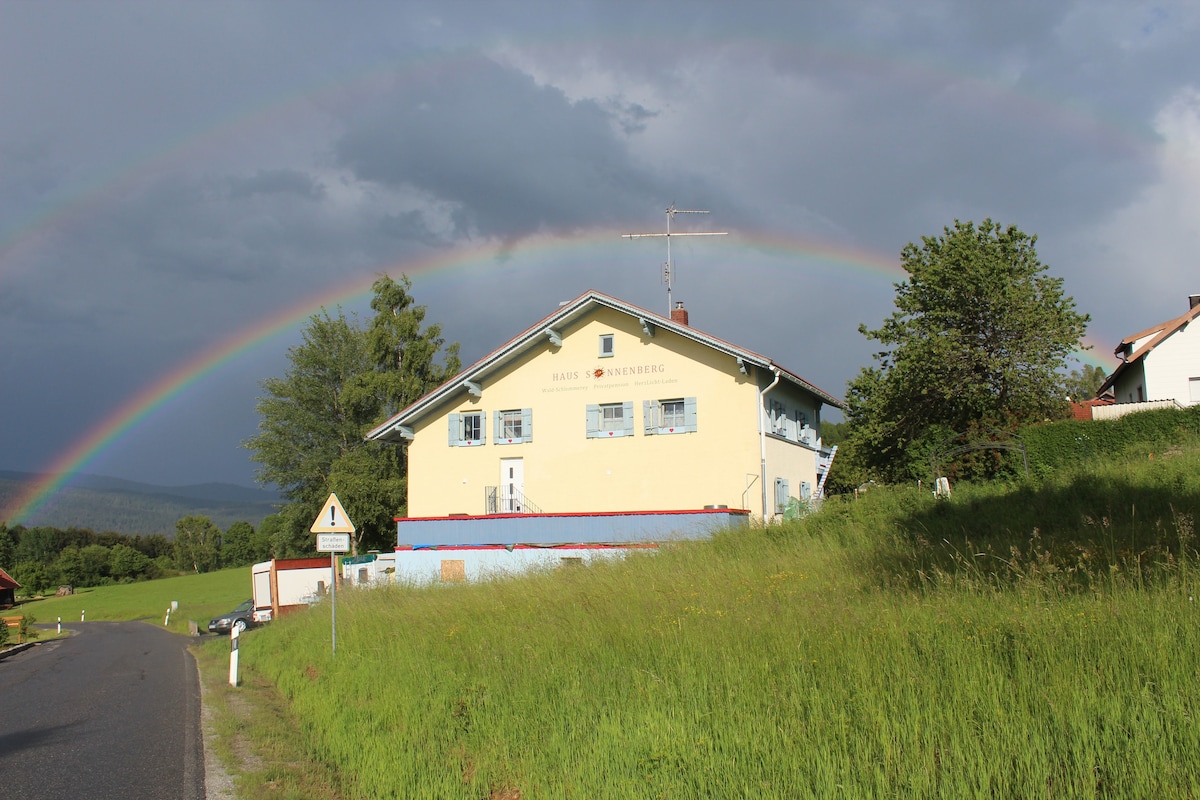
(282, 585)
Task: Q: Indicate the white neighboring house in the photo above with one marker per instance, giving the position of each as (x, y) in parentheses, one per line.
(1160, 366)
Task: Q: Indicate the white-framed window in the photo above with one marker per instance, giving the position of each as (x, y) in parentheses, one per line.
(672, 415)
(467, 429)
(606, 345)
(1194, 389)
(514, 426)
(609, 420)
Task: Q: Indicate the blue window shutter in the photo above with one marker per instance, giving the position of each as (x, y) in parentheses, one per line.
(689, 414)
(627, 414)
(482, 428)
(781, 495)
(526, 424)
(455, 430)
(593, 420)
(649, 424)
(497, 428)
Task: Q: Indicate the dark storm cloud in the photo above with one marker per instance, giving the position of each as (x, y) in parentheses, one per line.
(277, 181)
(514, 157)
(172, 173)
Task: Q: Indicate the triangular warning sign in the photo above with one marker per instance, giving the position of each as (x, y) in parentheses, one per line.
(332, 518)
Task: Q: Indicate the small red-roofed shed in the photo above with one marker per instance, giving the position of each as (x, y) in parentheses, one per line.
(8, 590)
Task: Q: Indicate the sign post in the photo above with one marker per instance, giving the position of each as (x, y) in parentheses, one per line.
(333, 528)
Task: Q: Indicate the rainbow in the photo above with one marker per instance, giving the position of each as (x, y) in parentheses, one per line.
(821, 254)
(360, 86)
(143, 404)
(60, 210)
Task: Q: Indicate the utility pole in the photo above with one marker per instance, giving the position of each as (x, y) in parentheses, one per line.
(669, 267)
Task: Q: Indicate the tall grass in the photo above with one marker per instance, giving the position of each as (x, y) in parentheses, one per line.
(1013, 641)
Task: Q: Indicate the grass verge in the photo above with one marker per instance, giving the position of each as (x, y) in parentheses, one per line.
(254, 734)
(866, 651)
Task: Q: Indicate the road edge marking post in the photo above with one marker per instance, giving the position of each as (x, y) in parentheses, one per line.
(234, 635)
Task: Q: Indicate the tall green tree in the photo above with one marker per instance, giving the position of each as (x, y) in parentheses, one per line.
(1083, 383)
(197, 544)
(342, 381)
(405, 356)
(70, 567)
(235, 545)
(125, 562)
(8, 548)
(978, 340)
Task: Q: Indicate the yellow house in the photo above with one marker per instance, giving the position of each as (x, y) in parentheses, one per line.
(603, 408)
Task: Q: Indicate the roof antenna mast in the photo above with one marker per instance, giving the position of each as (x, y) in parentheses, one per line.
(668, 267)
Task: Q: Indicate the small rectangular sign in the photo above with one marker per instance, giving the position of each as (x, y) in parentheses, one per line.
(333, 543)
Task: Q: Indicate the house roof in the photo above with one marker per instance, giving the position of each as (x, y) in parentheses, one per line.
(1159, 334)
(6, 581)
(546, 329)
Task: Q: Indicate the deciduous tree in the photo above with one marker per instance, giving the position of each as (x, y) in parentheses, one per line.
(978, 340)
(8, 549)
(126, 562)
(342, 381)
(235, 545)
(1083, 383)
(197, 544)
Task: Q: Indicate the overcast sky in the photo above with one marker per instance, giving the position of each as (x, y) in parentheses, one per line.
(174, 174)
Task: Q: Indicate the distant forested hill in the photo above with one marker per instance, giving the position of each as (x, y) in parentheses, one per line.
(111, 504)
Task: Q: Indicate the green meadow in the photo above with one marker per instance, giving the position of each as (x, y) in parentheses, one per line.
(1030, 639)
(1038, 638)
(199, 598)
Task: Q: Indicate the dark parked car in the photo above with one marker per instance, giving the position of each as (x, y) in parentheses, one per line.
(241, 618)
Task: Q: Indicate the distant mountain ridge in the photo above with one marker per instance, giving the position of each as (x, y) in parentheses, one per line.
(106, 504)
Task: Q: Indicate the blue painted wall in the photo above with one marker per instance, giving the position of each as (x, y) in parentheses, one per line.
(568, 528)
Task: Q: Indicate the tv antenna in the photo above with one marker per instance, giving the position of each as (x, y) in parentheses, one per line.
(668, 273)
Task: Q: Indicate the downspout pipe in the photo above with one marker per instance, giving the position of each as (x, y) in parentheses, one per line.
(762, 439)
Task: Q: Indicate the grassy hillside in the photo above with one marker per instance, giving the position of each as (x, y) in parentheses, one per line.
(109, 504)
(200, 598)
(1035, 639)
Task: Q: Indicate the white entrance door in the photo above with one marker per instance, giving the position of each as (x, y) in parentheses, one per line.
(512, 485)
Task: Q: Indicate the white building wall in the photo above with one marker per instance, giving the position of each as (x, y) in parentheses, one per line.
(1170, 366)
(428, 566)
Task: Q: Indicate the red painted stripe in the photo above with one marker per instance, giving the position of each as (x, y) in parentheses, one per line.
(736, 511)
(559, 547)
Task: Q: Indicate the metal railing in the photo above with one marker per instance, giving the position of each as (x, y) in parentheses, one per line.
(510, 502)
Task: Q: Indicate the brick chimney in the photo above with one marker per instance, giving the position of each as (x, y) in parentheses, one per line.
(679, 314)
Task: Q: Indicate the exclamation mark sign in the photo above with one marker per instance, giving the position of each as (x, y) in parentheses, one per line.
(332, 513)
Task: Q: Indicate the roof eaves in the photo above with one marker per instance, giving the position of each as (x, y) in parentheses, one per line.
(567, 311)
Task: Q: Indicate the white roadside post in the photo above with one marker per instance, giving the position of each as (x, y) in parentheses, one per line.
(234, 633)
(333, 528)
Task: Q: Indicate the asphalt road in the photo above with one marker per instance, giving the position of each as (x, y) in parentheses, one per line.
(110, 713)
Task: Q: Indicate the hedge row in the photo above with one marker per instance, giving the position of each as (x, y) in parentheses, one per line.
(1053, 445)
